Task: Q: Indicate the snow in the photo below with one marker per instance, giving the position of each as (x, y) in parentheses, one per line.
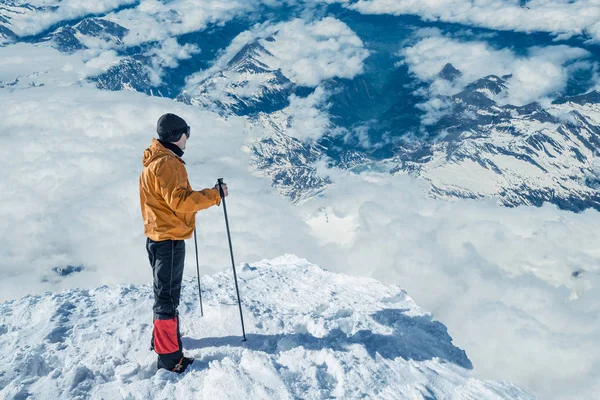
(454, 176)
(312, 334)
(559, 158)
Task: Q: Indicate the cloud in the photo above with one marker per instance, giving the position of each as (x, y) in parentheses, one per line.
(167, 55)
(575, 17)
(154, 20)
(70, 68)
(26, 20)
(434, 108)
(307, 117)
(542, 73)
(149, 20)
(33, 65)
(79, 177)
(501, 279)
(306, 52)
(100, 62)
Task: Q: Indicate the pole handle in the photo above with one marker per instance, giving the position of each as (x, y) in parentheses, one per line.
(220, 182)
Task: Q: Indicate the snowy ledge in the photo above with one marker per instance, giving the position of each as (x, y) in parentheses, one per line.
(312, 334)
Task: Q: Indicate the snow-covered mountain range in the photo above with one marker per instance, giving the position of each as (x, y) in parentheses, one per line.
(520, 155)
(311, 334)
(480, 147)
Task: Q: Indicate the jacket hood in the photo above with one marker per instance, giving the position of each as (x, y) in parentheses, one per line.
(155, 151)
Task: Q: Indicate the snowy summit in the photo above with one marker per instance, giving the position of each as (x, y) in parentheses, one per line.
(312, 334)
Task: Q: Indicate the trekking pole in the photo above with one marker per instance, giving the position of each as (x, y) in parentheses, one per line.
(237, 290)
(198, 269)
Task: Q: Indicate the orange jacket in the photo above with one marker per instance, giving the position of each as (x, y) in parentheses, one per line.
(169, 204)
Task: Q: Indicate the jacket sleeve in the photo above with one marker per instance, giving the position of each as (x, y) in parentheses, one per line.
(174, 188)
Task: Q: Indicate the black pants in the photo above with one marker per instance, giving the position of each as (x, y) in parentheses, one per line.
(167, 259)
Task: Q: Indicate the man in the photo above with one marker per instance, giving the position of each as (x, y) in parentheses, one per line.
(169, 207)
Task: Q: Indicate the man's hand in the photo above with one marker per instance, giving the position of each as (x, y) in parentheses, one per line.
(224, 187)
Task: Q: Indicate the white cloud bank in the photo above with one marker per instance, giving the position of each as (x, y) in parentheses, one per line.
(308, 53)
(499, 278)
(24, 64)
(562, 17)
(154, 20)
(150, 20)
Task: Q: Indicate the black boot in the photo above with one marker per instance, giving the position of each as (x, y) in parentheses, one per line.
(183, 364)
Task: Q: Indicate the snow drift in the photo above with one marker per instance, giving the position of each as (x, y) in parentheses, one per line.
(311, 334)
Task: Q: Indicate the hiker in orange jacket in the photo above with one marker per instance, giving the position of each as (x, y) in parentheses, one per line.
(169, 207)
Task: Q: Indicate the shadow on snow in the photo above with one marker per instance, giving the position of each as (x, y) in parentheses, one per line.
(416, 338)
